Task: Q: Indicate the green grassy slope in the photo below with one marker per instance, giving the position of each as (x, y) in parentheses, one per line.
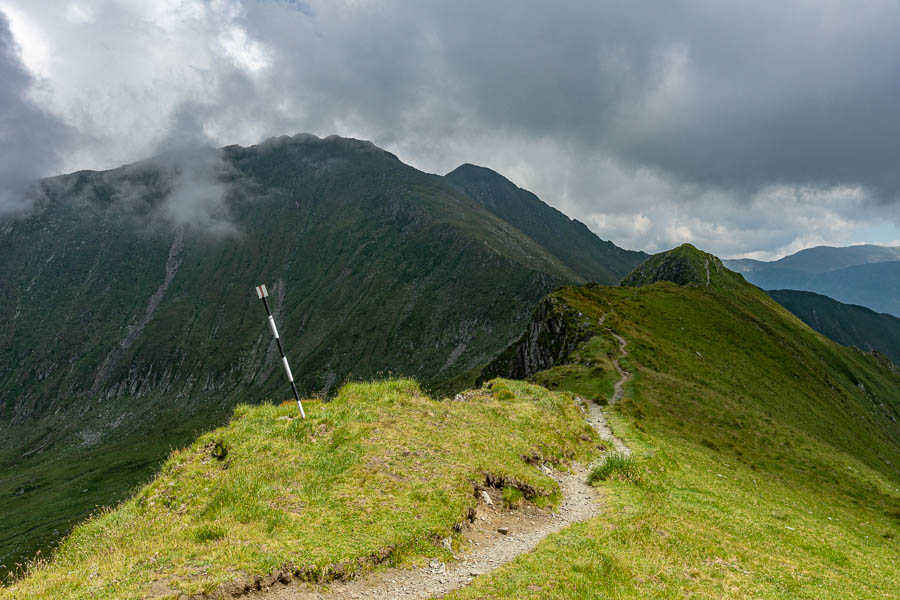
(569, 240)
(766, 466)
(123, 334)
(768, 457)
(379, 475)
(847, 324)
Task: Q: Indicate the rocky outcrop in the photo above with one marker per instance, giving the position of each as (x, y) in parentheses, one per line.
(556, 329)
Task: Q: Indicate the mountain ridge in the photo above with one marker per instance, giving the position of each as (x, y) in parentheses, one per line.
(819, 259)
(571, 240)
(764, 458)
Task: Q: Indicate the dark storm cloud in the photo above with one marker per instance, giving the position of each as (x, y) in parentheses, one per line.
(30, 139)
(736, 95)
(654, 122)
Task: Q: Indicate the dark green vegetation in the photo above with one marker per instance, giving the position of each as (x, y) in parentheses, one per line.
(767, 458)
(684, 265)
(567, 239)
(847, 324)
(865, 275)
(124, 336)
(377, 476)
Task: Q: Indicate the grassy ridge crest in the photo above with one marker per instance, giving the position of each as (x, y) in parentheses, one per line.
(766, 457)
(378, 475)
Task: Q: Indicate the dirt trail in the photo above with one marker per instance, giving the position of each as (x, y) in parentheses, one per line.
(486, 548)
(595, 414)
(624, 376)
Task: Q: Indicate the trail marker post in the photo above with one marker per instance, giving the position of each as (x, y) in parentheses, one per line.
(263, 293)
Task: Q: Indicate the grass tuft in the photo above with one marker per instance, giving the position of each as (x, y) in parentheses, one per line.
(615, 466)
(208, 533)
(512, 497)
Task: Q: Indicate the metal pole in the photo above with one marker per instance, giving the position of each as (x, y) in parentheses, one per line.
(263, 293)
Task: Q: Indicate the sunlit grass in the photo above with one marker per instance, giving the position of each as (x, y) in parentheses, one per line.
(378, 475)
(763, 453)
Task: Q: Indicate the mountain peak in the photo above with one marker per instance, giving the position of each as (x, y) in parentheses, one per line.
(684, 265)
(570, 240)
(471, 168)
(308, 142)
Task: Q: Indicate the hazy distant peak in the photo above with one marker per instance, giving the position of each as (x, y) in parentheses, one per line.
(822, 259)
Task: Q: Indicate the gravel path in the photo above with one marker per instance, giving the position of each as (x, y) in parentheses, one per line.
(486, 548)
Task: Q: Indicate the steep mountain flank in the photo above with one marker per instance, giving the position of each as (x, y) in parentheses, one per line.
(765, 462)
(847, 324)
(569, 240)
(130, 322)
(556, 329)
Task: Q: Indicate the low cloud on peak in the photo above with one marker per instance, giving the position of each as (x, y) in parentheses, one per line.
(740, 127)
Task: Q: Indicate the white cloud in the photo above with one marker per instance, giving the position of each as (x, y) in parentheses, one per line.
(78, 13)
(246, 53)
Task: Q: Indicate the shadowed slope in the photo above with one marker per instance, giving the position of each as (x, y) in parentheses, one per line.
(847, 324)
(569, 240)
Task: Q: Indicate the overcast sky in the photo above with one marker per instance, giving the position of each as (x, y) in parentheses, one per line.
(747, 128)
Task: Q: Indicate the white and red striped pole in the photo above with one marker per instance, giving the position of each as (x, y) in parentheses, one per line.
(263, 293)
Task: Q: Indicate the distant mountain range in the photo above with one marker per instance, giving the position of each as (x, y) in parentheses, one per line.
(130, 321)
(847, 324)
(867, 275)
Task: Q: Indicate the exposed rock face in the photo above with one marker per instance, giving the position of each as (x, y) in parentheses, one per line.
(556, 329)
